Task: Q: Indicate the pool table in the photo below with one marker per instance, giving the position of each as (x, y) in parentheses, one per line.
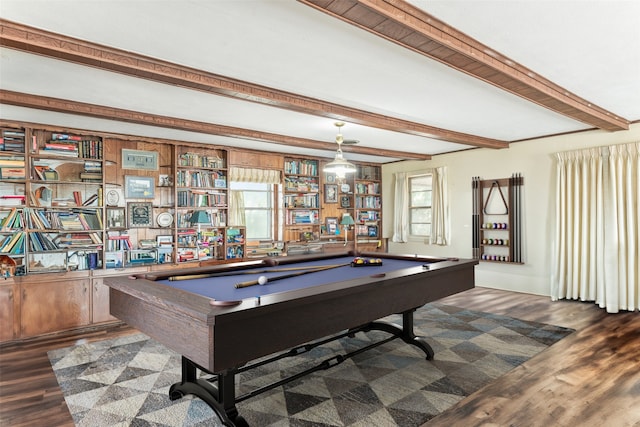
(221, 321)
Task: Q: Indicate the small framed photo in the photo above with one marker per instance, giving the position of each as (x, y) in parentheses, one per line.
(345, 201)
(330, 193)
(140, 214)
(330, 178)
(332, 225)
(116, 218)
(139, 187)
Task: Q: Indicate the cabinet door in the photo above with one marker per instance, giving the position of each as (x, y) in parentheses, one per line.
(8, 310)
(100, 298)
(54, 306)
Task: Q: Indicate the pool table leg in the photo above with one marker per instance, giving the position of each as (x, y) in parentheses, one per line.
(405, 332)
(221, 399)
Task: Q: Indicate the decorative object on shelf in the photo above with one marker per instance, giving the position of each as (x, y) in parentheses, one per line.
(165, 219)
(345, 202)
(345, 188)
(332, 225)
(339, 166)
(140, 214)
(138, 159)
(330, 193)
(139, 187)
(347, 221)
(112, 198)
(116, 218)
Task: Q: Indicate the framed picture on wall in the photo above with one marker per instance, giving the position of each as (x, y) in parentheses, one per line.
(345, 201)
(139, 187)
(116, 218)
(140, 214)
(330, 193)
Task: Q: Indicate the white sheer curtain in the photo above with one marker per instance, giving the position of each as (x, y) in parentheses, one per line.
(236, 208)
(596, 232)
(439, 207)
(401, 208)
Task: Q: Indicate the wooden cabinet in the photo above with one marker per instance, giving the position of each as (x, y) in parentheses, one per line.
(54, 305)
(100, 302)
(9, 311)
(255, 159)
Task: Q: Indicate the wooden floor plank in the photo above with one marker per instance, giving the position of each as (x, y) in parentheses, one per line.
(590, 378)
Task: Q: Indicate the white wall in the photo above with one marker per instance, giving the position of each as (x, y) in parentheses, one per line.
(534, 160)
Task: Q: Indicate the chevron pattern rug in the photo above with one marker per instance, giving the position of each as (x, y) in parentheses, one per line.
(125, 381)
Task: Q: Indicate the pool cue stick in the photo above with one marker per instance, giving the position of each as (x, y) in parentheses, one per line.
(286, 276)
(234, 273)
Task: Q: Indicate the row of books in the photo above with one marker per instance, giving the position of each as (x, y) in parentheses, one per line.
(78, 240)
(72, 146)
(302, 217)
(371, 202)
(367, 188)
(12, 221)
(12, 173)
(188, 198)
(301, 184)
(218, 219)
(53, 220)
(201, 161)
(12, 140)
(366, 216)
(366, 230)
(301, 167)
(301, 201)
(13, 243)
(201, 179)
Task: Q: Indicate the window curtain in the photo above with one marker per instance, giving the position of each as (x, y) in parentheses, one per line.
(236, 209)
(266, 176)
(439, 208)
(236, 198)
(595, 255)
(401, 208)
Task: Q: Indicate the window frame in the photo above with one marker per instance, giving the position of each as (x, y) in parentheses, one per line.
(412, 208)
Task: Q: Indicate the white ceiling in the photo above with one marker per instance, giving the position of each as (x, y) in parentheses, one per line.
(589, 47)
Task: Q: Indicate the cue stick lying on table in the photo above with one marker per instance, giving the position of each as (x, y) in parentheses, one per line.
(235, 273)
(286, 276)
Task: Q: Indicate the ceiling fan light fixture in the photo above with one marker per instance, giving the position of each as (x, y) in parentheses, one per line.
(339, 165)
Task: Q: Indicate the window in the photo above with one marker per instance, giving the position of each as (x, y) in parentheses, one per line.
(420, 190)
(258, 208)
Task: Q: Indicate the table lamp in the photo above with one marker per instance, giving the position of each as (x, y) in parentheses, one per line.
(346, 222)
(199, 217)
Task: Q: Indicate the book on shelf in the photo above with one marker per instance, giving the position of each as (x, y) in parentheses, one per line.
(13, 220)
(14, 244)
(12, 200)
(11, 162)
(12, 173)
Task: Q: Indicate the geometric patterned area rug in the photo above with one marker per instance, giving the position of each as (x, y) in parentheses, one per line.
(125, 381)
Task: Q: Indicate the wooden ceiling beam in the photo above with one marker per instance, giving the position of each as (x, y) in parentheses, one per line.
(110, 113)
(36, 41)
(414, 29)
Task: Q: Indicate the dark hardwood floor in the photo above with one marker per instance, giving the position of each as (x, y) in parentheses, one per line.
(591, 378)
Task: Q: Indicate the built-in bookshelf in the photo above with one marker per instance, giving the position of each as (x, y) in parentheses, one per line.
(368, 206)
(301, 199)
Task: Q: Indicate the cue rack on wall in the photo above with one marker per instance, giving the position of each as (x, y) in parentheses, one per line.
(497, 219)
